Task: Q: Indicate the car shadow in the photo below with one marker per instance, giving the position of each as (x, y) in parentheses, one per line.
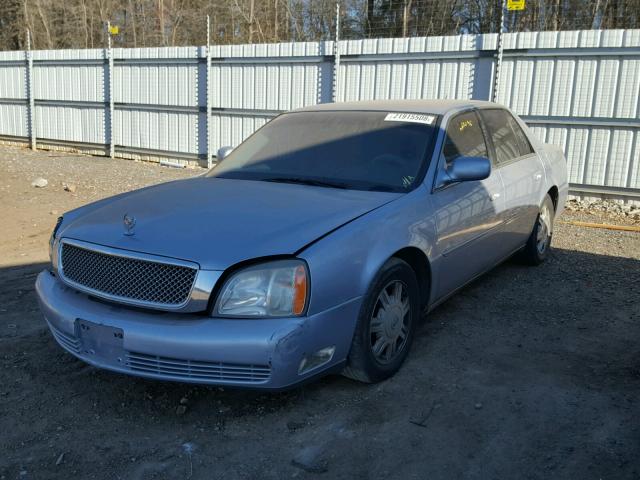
(545, 355)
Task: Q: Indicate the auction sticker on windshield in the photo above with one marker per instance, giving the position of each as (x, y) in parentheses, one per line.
(410, 117)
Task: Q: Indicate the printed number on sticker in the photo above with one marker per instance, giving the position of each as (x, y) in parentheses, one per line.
(410, 117)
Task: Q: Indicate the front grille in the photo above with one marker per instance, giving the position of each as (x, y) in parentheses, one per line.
(197, 370)
(127, 278)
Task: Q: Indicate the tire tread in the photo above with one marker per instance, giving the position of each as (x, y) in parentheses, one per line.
(529, 254)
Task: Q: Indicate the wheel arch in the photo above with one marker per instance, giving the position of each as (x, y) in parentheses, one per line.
(554, 193)
(419, 263)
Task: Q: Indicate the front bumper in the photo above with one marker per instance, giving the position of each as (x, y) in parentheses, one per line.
(194, 348)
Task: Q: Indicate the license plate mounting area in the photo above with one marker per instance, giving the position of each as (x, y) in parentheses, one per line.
(103, 342)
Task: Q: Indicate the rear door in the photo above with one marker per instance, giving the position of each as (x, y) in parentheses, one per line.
(468, 214)
(521, 171)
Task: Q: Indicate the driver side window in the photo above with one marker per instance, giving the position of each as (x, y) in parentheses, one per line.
(464, 138)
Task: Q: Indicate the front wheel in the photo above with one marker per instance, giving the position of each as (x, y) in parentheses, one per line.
(386, 324)
(537, 248)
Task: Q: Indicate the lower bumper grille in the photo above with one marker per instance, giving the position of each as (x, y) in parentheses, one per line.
(70, 342)
(211, 371)
(175, 368)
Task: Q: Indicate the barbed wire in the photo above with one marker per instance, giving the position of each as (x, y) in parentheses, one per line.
(411, 18)
(145, 24)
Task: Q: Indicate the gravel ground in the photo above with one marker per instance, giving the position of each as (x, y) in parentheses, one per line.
(526, 373)
(607, 211)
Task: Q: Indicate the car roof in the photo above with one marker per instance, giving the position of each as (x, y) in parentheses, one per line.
(437, 107)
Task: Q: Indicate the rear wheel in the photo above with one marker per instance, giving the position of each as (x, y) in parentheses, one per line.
(537, 248)
(386, 324)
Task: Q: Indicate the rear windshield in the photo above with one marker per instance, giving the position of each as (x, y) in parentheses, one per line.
(355, 150)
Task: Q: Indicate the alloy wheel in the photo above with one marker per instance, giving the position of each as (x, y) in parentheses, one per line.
(544, 229)
(390, 320)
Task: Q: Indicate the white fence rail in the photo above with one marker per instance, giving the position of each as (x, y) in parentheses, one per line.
(577, 89)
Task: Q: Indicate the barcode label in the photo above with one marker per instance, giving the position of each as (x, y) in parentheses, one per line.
(410, 117)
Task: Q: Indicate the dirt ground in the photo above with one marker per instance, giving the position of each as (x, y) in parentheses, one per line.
(527, 373)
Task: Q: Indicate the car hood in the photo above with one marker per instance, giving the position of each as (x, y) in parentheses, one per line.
(219, 222)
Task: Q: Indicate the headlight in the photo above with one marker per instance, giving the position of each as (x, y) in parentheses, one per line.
(53, 237)
(274, 289)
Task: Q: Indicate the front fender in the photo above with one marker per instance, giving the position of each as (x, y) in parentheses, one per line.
(343, 264)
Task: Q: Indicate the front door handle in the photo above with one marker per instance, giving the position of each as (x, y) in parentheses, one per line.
(495, 196)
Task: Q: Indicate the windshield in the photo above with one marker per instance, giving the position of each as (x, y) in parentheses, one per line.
(347, 149)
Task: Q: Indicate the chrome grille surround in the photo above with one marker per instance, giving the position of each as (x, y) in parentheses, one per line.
(197, 370)
(127, 277)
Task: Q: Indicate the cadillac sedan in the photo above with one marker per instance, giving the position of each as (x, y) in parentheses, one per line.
(315, 246)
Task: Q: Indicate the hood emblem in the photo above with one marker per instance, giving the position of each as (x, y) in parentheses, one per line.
(129, 222)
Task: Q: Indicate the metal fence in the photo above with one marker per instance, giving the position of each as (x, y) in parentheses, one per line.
(577, 89)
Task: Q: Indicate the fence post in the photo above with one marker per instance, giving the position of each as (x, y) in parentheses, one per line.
(496, 78)
(31, 109)
(109, 94)
(208, 97)
(336, 56)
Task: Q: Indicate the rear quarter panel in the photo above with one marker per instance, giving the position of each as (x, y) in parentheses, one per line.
(556, 167)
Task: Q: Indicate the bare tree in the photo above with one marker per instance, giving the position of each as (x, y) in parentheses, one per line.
(143, 23)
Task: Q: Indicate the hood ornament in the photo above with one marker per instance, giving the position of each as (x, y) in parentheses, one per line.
(129, 222)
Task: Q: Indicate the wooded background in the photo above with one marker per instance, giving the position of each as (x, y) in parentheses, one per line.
(56, 24)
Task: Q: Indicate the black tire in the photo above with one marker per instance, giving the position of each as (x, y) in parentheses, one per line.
(537, 248)
(362, 363)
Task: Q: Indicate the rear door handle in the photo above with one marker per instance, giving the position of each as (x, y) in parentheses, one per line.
(537, 177)
(495, 196)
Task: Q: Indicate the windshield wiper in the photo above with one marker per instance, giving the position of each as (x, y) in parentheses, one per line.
(308, 181)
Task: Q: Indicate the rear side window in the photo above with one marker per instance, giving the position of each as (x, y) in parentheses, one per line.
(464, 138)
(508, 138)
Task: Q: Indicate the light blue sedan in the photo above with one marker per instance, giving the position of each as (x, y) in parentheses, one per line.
(315, 246)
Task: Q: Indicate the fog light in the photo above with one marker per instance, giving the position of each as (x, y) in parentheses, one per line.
(315, 360)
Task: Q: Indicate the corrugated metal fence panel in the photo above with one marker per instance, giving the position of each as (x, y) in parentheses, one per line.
(158, 53)
(13, 83)
(69, 124)
(162, 77)
(378, 71)
(283, 86)
(579, 90)
(156, 130)
(249, 84)
(293, 80)
(597, 156)
(13, 120)
(580, 85)
(12, 56)
(13, 89)
(69, 82)
(157, 83)
(272, 50)
(68, 87)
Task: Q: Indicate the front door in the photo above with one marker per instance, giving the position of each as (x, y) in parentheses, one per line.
(468, 214)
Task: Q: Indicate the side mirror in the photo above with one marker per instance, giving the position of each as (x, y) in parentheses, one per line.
(466, 169)
(223, 152)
